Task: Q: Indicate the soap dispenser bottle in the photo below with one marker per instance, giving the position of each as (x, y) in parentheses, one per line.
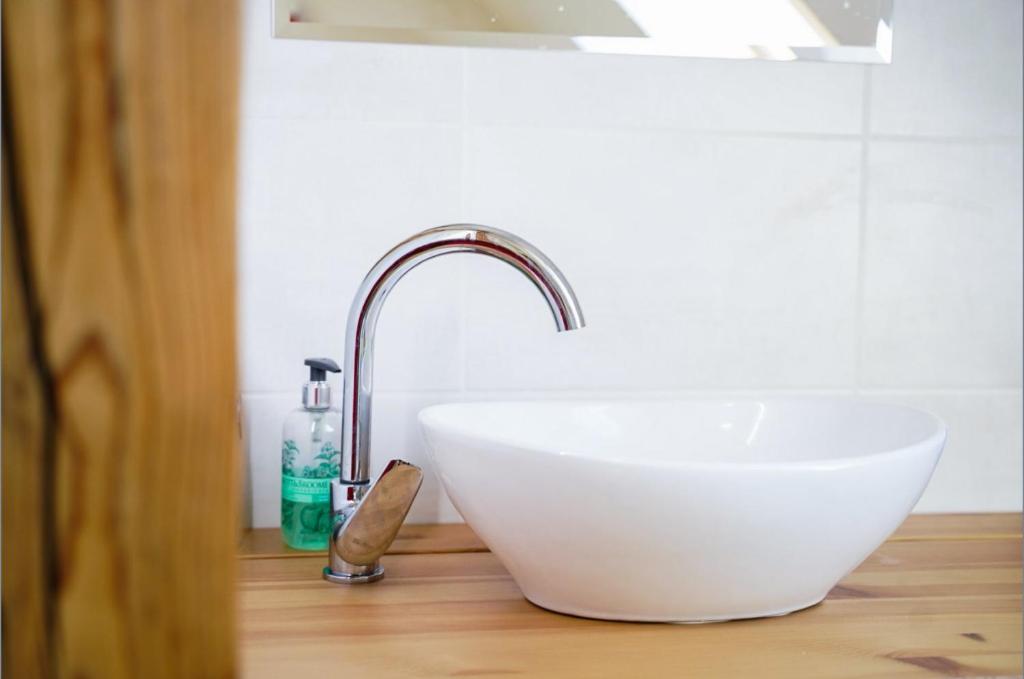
(310, 458)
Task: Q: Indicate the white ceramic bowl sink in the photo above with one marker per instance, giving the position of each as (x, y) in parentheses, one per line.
(682, 510)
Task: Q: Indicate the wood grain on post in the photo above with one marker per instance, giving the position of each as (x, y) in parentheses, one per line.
(119, 378)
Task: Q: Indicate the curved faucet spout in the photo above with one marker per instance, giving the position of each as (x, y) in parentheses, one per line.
(362, 318)
(366, 519)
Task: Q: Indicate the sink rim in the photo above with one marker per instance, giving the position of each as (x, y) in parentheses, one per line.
(430, 417)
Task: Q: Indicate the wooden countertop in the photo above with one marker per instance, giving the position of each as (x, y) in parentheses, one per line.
(941, 598)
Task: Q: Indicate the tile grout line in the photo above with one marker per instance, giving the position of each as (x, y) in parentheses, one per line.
(862, 227)
(744, 133)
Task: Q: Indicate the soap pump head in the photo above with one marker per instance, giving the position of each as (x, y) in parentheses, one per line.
(316, 393)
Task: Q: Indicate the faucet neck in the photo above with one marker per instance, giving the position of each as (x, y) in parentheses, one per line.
(357, 399)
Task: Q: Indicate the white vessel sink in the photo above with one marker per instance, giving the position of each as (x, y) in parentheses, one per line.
(682, 511)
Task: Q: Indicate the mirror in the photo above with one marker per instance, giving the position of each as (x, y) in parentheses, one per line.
(857, 31)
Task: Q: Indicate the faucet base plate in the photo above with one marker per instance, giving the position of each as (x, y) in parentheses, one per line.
(352, 579)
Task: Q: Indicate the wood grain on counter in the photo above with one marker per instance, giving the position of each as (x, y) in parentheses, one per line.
(959, 526)
(941, 598)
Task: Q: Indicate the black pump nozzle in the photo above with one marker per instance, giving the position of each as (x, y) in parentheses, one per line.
(319, 367)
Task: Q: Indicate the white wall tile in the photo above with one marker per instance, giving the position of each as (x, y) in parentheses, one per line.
(320, 203)
(698, 262)
(707, 212)
(396, 434)
(567, 89)
(980, 468)
(345, 81)
(956, 70)
(262, 419)
(943, 266)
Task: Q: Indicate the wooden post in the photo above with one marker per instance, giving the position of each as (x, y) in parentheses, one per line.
(119, 379)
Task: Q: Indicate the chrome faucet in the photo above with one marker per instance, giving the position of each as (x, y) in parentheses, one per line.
(367, 517)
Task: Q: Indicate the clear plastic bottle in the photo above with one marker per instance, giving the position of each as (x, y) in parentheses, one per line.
(310, 455)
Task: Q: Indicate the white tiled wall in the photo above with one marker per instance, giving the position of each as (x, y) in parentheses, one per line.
(729, 227)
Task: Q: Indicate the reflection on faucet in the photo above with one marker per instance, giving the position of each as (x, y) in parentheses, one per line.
(367, 518)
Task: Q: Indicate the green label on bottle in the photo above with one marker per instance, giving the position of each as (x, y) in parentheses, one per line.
(298, 489)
